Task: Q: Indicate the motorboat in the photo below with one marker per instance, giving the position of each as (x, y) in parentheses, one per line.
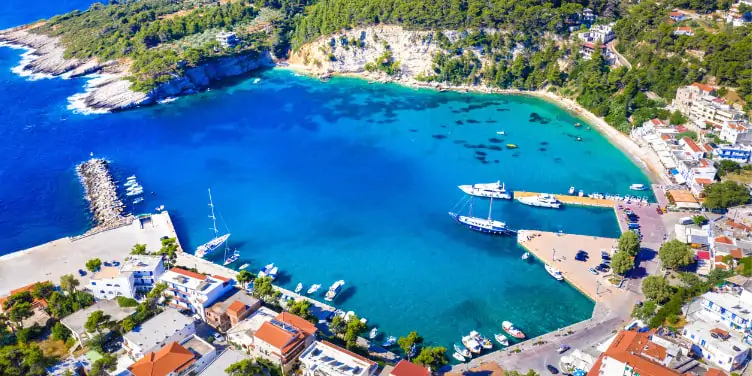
(134, 192)
(216, 241)
(273, 273)
(526, 255)
(556, 273)
(638, 187)
(501, 133)
(484, 225)
(390, 341)
(313, 288)
(266, 270)
(543, 201)
(463, 351)
(483, 341)
(364, 320)
(458, 356)
(242, 267)
(334, 290)
(130, 183)
(349, 315)
(571, 190)
(489, 190)
(581, 193)
(138, 200)
(514, 332)
(471, 343)
(299, 288)
(373, 333)
(501, 339)
(132, 177)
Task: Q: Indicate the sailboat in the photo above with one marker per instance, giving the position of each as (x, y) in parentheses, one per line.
(234, 257)
(488, 226)
(217, 241)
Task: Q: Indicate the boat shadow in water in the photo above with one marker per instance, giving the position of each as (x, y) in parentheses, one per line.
(345, 295)
(283, 278)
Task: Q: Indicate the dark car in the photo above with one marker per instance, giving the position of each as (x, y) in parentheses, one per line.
(81, 272)
(580, 257)
(552, 369)
(605, 256)
(604, 268)
(107, 264)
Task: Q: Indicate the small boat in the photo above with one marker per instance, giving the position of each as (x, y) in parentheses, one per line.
(514, 332)
(463, 351)
(571, 190)
(298, 288)
(543, 201)
(130, 183)
(373, 333)
(242, 267)
(134, 192)
(501, 133)
(483, 341)
(638, 187)
(578, 139)
(313, 289)
(348, 315)
(471, 343)
(581, 193)
(577, 125)
(501, 339)
(132, 177)
(334, 290)
(593, 271)
(389, 341)
(138, 200)
(266, 270)
(526, 255)
(167, 100)
(489, 190)
(556, 273)
(459, 357)
(512, 146)
(234, 257)
(256, 80)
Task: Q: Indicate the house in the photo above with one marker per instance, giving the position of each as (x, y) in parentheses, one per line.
(136, 275)
(691, 148)
(588, 16)
(696, 174)
(602, 34)
(677, 16)
(732, 310)
(39, 315)
(227, 39)
(406, 368)
(717, 346)
(684, 199)
(322, 358)
(193, 291)
(282, 339)
(242, 334)
(736, 132)
(588, 48)
(166, 327)
(738, 153)
(190, 356)
(633, 353)
(227, 358)
(684, 30)
(76, 321)
(230, 309)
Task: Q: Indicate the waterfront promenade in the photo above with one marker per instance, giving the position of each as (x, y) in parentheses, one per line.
(571, 200)
(49, 261)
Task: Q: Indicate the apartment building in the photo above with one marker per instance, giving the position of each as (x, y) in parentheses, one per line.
(166, 327)
(230, 309)
(136, 276)
(193, 291)
(716, 346)
(282, 339)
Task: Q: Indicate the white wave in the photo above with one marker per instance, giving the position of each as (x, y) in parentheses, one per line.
(77, 102)
(27, 57)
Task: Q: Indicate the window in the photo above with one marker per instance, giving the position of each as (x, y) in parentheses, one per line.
(93, 283)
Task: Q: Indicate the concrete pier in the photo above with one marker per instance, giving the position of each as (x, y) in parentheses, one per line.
(571, 200)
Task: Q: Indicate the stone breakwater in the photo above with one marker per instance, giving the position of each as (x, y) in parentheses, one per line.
(101, 192)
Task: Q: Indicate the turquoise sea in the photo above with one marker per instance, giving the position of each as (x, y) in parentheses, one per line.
(337, 180)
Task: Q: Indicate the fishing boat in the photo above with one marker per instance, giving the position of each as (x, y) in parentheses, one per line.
(512, 146)
(389, 341)
(471, 343)
(373, 333)
(138, 200)
(216, 241)
(458, 356)
(334, 290)
(484, 225)
(638, 187)
(299, 288)
(266, 270)
(556, 273)
(581, 193)
(242, 267)
(483, 341)
(526, 255)
(463, 351)
(490, 190)
(543, 201)
(571, 190)
(501, 133)
(514, 332)
(234, 257)
(313, 288)
(501, 339)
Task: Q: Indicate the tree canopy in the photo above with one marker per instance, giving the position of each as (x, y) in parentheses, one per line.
(656, 288)
(675, 254)
(621, 263)
(94, 264)
(434, 357)
(629, 243)
(723, 195)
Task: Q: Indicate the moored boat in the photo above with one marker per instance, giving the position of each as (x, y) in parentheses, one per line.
(266, 270)
(138, 200)
(483, 341)
(501, 339)
(463, 351)
(299, 287)
(373, 333)
(638, 187)
(242, 267)
(313, 288)
(571, 190)
(514, 332)
(459, 357)
(215, 242)
(543, 201)
(334, 290)
(234, 257)
(484, 225)
(556, 273)
(471, 343)
(526, 255)
(490, 190)
(390, 341)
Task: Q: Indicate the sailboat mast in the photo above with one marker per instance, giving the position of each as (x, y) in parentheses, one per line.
(490, 205)
(471, 206)
(213, 218)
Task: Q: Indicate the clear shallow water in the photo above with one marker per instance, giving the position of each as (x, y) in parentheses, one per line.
(342, 180)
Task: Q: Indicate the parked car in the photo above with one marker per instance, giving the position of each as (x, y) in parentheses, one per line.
(580, 257)
(115, 263)
(107, 264)
(563, 348)
(593, 271)
(604, 267)
(81, 272)
(552, 369)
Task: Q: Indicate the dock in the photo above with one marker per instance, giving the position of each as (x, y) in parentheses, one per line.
(559, 250)
(570, 199)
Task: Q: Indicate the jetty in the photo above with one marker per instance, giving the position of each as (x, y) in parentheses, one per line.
(570, 199)
(101, 192)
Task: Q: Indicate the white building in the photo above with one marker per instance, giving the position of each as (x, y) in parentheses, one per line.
(599, 33)
(137, 275)
(684, 30)
(736, 132)
(716, 345)
(189, 357)
(738, 153)
(194, 291)
(227, 39)
(160, 330)
(699, 103)
(325, 359)
(734, 311)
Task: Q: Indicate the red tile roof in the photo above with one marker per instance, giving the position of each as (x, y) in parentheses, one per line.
(736, 126)
(171, 358)
(629, 347)
(219, 277)
(715, 372)
(704, 163)
(236, 307)
(681, 128)
(656, 122)
(702, 181)
(297, 322)
(737, 253)
(188, 273)
(41, 302)
(737, 225)
(276, 336)
(675, 14)
(692, 145)
(703, 87)
(684, 28)
(405, 368)
(708, 147)
(724, 240)
(718, 258)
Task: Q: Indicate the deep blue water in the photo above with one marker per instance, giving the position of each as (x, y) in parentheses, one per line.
(342, 180)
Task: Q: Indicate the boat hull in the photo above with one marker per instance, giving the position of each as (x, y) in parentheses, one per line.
(540, 204)
(483, 228)
(479, 191)
(211, 246)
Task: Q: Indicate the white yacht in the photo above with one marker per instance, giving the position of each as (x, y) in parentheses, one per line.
(214, 243)
(299, 288)
(389, 341)
(544, 201)
(483, 341)
(489, 190)
(268, 271)
(501, 339)
(638, 187)
(571, 190)
(485, 225)
(463, 351)
(374, 332)
(334, 290)
(556, 273)
(458, 356)
(313, 288)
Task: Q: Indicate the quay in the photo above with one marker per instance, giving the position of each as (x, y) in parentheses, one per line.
(101, 193)
(571, 200)
(49, 261)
